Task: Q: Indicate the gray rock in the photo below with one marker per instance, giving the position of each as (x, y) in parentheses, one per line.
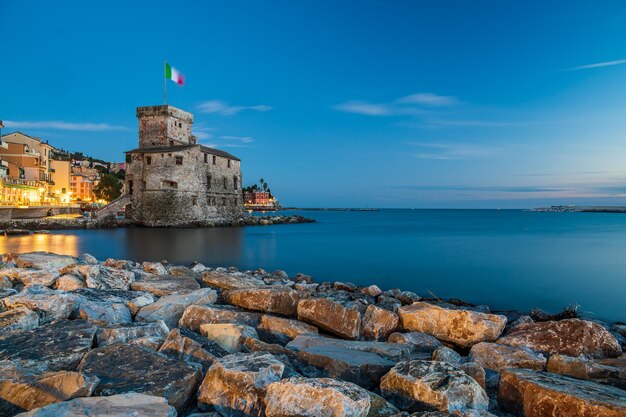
(18, 319)
(281, 330)
(170, 308)
(230, 281)
(49, 304)
(498, 357)
(162, 285)
(39, 260)
(196, 315)
(229, 336)
(121, 333)
(189, 346)
(124, 368)
(103, 313)
(445, 354)
(421, 341)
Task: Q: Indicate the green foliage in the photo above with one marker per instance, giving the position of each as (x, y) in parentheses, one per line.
(109, 188)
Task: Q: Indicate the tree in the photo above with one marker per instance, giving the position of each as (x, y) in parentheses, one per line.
(109, 188)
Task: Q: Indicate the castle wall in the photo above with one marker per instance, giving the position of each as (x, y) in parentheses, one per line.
(161, 125)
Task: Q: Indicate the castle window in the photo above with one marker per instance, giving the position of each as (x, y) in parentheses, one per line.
(224, 201)
(179, 160)
(169, 185)
(194, 200)
(235, 182)
(229, 163)
(206, 158)
(225, 185)
(180, 124)
(148, 160)
(171, 143)
(130, 187)
(214, 160)
(208, 182)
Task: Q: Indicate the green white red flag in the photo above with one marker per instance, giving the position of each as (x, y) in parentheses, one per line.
(173, 74)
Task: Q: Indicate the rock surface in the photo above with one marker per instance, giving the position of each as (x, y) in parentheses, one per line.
(217, 279)
(421, 341)
(170, 308)
(331, 316)
(122, 405)
(127, 333)
(191, 347)
(498, 357)
(316, 397)
(572, 337)
(540, 394)
(268, 300)
(461, 327)
(379, 323)
(282, 330)
(161, 285)
(196, 315)
(420, 385)
(124, 368)
(49, 304)
(19, 318)
(229, 336)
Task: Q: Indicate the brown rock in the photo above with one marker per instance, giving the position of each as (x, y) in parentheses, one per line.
(379, 323)
(229, 336)
(161, 285)
(23, 388)
(281, 330)
(191, 347)
(498, 357)
(475, 371)
(69, 282)
(421, 385)
(196, 315)
(421, 341)
(230, 281)
(170, 308)
(571, 337)
(269, 300)
(316, 397)
(540, 394)
(39, 260)
(461, 327)
(585, 369)
(19, 319)
(330, 316)
(237, 384)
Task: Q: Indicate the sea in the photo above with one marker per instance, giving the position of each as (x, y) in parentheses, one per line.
(507, 259)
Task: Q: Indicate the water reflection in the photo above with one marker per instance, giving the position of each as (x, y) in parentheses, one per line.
(62, 244)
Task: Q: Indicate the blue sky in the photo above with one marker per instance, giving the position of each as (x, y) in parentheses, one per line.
(386, 104)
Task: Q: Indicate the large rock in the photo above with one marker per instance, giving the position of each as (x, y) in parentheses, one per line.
(571, 337)
(51, 305)
(230, 281)
(19, 318)
(379, 407)
(316, 397)
(331, 316)
(379, 323)
(28, 277)
(69, 282)
(540, 394)
(125, 368)
(196, 315)
(105, 278)
(461, 327)
(237, 384)
(26, 388)
(229, 336)
(126, 333)
(191, 347)
(420, 341)
(422, 385)
(104, 314)
(60, 345)
(39, 260)
(156, 268)
(281, 330)
(497, 357)
(268, 300)
(589, 369)
(170, 308)
(122, 405)
(161, 285)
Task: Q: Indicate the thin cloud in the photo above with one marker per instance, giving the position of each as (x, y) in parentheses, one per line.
(597, 65)
(487, 188)
(414, 104)
(225, 109)
(61, 125)
(240, 139)
(452, 151)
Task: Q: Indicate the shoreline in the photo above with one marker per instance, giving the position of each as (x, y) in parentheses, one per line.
(195, 336)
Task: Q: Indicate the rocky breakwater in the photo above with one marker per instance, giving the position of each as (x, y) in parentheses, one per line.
(81, 337)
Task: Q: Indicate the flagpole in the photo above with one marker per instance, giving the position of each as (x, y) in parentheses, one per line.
(164, 84)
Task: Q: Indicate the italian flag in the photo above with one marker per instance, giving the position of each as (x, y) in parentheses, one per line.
(173, 74)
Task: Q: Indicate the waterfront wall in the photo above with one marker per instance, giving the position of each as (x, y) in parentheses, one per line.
(15, 213)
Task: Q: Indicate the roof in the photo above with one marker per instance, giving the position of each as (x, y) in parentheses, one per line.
(163, 149)
(23, 134)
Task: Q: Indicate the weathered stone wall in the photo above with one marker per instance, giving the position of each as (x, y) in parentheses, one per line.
(158, 125)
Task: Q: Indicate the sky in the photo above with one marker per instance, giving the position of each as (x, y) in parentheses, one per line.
(402, 104)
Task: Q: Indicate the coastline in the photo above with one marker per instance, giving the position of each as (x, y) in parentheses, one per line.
(194, 337)
(580, 209)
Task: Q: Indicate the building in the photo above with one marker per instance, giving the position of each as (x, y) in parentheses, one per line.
(174, 181)
(60, 174)
(34, 148)
(81, 187)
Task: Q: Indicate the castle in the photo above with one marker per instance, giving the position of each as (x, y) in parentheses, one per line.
(172, 180)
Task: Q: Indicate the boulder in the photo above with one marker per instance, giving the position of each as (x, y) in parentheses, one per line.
(378, 323)
(103, 313)
(18, 319)
(125, 368)
(475, 371)
(28, 277)
(69, 282)
(281, 330)
(316, 397)
(422, 385)
(372, 291)
(229, 336)
(155, 268)
(268, 300)
(408, 297)
(105, 278)
(236, 385)
(191, 347)
(26, 388)
(497, 357)
(137, 303)
(59, 345)
(540, 394)
(571, 337)
(379, 407)
(331, 316)
(51, 305)
(161, 285)
(116, 263)
(445, 354)
(585, 369)
(39, 260)
(230, 281)
(421, 341)
(170, 308)
(5, 282)
(122, 405)
(88, 259)
(195, 315)
(461, 327)
(125, 333)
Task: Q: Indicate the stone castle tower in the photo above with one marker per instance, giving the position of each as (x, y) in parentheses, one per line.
(173, 181)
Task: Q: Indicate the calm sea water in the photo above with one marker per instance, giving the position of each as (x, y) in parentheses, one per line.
(508, 259)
